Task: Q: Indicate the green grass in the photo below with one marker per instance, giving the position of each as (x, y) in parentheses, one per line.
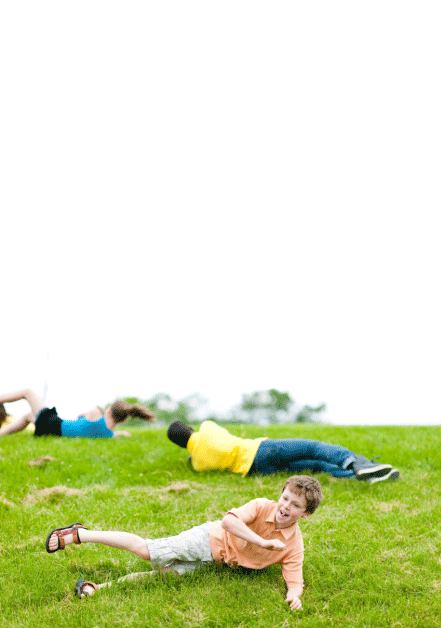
(372, 553)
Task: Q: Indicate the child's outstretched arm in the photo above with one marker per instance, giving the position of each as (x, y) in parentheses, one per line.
(236, 526)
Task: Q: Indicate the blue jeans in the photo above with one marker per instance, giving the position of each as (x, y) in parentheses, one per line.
(300, 454)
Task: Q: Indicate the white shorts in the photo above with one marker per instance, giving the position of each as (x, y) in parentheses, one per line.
(185, 552)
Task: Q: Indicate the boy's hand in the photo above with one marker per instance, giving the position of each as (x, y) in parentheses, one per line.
(293, 601)
(273, 544)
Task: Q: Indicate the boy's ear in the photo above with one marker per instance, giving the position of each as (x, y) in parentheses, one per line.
(306, 515)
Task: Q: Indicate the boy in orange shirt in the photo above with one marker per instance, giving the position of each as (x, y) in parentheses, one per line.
(260, 533)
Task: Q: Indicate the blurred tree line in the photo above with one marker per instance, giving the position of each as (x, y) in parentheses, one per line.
(261, 407)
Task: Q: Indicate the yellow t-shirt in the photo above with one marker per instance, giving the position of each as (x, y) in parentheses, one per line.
(214, 448)
(10, 419)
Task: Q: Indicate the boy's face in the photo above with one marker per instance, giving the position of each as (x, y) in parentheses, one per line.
(290, 507)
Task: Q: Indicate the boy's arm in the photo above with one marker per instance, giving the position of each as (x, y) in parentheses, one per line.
(236, 526)
(293, 596)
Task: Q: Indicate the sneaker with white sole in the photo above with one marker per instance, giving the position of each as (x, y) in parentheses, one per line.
(367, 469)
(393, 474)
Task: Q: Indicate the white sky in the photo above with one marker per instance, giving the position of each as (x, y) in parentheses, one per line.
(222, 197)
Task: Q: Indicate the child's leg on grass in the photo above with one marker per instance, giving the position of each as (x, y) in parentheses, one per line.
(31, 397)
(36, 403)
(139, 575)
(120, 540)
(88, 590)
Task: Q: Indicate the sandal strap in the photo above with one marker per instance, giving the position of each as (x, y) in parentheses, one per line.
(75, 535)
(92, 584)
(76, 538)
(73, 530)
(81, 583)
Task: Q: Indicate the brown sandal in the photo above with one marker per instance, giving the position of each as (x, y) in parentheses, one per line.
(61, 532)
(81, 584)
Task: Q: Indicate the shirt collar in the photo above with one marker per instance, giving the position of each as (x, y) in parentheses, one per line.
(286, 532)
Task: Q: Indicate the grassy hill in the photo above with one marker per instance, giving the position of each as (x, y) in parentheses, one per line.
(372, 553)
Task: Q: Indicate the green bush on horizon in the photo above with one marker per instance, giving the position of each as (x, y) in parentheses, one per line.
(262, 407)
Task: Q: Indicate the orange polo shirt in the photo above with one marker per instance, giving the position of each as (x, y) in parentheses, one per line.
(259, 516)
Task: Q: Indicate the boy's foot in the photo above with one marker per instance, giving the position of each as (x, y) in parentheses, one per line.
(367, 469)
(393, 474)
(85, 588)
(60, 537)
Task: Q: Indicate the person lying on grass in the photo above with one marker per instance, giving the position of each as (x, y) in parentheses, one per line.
(260, 533)
(97, 423)
(214, 448)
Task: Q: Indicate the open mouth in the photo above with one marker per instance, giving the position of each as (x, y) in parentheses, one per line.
(283, 515)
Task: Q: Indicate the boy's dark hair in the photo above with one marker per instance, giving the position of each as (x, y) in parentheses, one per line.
(3, 413)
(308, 487)
(179, 433)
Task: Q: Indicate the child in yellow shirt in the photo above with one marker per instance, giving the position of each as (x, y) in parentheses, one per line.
(214, 448)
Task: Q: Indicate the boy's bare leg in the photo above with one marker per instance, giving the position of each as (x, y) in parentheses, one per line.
(18, 425)
(88, 589)
(121, 540)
